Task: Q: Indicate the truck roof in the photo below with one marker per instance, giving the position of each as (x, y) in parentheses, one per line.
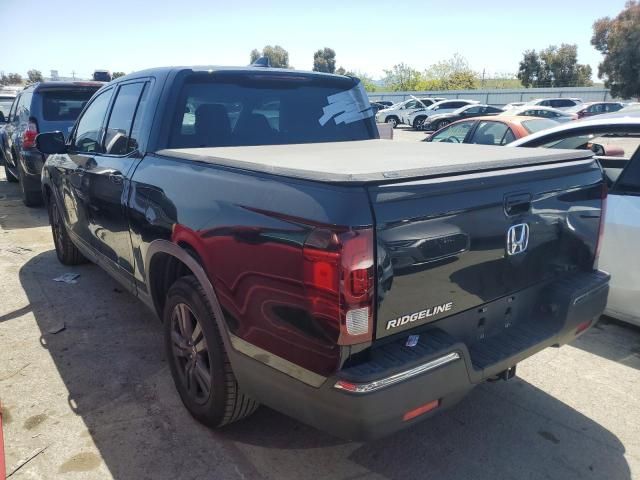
(373, 160)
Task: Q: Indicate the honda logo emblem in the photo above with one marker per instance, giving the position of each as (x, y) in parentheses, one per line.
(517, 239)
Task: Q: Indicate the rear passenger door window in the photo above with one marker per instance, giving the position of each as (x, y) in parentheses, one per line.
(88, 134)
(119, 137)
(490, 133)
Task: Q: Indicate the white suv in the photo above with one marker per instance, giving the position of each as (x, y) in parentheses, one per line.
(399, 113)
(559, 103)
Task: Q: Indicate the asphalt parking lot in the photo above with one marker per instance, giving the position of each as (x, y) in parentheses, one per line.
(86, 393)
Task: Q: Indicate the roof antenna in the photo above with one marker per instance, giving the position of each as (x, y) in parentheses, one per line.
(261, 62)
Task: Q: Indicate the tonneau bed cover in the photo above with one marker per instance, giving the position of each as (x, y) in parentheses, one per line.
(373, 160)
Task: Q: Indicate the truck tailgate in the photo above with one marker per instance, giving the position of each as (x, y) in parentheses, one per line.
(450, 244)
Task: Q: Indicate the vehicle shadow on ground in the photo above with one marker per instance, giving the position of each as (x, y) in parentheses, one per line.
(110, 357)
(13, 213)
(613, 340)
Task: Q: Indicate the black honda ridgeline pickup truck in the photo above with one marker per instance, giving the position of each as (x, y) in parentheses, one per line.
(359, 285)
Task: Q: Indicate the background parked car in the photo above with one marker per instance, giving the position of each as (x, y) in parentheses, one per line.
(395, 113)
(377, 106)
(559, 116)
(102, 76)
(441, 120)
(6, 100)
(617, 132)
(416, 118)
(42, 107)
(595, 108)
(560, 103)
(511, 105)
(498, 130)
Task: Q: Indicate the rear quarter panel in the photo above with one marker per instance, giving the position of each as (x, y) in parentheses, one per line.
(248, 231)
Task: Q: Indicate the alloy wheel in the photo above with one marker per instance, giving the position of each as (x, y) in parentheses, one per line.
(191, 353)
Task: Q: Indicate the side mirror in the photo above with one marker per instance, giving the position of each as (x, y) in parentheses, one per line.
(2, 118)
(50, 143)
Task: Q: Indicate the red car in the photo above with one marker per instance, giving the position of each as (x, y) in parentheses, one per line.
(492, 130)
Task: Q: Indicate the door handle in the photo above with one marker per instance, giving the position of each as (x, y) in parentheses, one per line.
(116, 177)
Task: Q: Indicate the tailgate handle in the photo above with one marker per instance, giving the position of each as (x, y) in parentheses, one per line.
(516, 204)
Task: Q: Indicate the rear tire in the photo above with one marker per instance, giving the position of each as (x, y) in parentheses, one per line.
(10, 176)
(198, 360)
(29, 198)
(67, 252)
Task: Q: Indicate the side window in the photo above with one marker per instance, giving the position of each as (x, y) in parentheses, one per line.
(613, 107)
(455, 133)
(24, 107)
(473, 110)
(139, 116)
(89, 130)
(14, 107)
(411, 104)
(117, 140)
(489, 133)
(545, 103)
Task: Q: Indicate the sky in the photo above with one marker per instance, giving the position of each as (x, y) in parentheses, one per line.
(368, 36)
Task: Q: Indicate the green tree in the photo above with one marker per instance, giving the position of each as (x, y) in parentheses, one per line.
(451, 74)
(402, 77)
(554, 67)
(618, 40)
(115, 75)
(278, 56)
(531, 71)
(34, 76)
(340, 71)
(324, 60)
(10, 79)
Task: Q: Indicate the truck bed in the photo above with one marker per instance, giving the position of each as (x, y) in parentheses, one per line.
(373, 160)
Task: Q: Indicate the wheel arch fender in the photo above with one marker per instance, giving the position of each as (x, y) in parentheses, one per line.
(183, 254)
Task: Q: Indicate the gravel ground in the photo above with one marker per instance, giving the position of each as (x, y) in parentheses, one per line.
(86, 393)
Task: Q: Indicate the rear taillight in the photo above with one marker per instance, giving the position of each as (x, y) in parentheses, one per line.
(30, 134)
(603, 212)
(339, 281)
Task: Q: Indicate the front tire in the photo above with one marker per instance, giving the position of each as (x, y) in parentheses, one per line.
(198, 360)
(442, 124)
(418, 122)
(66, 251)
(393, 121)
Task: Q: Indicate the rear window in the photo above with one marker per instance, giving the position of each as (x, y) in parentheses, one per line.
(269, 109)
(535, 125)
(64, 105)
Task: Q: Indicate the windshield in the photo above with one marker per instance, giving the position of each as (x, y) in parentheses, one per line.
(5, 105)
(231, 109)
(537, 124)
(65, 105)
